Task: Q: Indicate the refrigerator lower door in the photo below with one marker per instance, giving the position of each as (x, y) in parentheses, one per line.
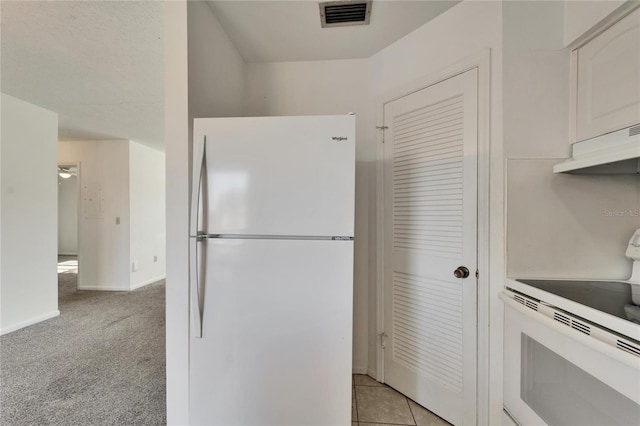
(276, 334)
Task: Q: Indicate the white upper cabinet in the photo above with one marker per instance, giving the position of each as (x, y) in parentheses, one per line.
(606, 73)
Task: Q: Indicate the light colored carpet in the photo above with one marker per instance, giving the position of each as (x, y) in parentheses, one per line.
(101, 362)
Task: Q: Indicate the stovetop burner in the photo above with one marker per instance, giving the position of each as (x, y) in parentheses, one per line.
(607, 296)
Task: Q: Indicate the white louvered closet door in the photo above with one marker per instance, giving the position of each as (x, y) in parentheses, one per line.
(430, 192)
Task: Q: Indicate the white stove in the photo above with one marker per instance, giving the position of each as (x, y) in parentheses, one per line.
(607, 304)
(572, 349)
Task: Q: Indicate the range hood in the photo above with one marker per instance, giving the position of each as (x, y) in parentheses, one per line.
(614, 153)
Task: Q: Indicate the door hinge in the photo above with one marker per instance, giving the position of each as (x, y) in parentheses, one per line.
(477, 274)
(383, 128)
(383, 339)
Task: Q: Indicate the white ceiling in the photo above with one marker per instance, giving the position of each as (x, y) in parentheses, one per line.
(275, 31)
(99, 65)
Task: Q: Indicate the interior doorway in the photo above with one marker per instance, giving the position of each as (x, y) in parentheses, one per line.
(68, 224)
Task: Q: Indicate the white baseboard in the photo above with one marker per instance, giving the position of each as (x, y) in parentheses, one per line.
(101, 288)
(114, 288)
(372, 373)
(147, 282)
(359, 370)
(29, 322)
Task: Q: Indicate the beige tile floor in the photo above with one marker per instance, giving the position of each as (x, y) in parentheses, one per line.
(376, 404)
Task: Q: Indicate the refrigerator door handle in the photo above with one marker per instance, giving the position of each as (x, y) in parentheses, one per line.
(199, 158)
(194, 281)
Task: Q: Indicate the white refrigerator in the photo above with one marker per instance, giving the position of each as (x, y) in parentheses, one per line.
(271, 271)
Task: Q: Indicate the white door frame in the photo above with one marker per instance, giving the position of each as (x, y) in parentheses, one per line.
(481, 61)
(76, 164)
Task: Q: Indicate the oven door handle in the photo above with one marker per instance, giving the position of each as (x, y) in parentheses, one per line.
(590, 341)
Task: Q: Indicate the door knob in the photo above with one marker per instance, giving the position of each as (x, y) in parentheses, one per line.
(461, 272)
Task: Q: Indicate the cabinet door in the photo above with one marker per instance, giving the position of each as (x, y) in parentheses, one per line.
(608, 74)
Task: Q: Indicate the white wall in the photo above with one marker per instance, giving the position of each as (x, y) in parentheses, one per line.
(536, 80)
(464, 30)
(103, 244)
(199, 59)
(68, 215)
(326, 87)
(147, 213)
(28, 218)
(557, 225)
(580, 16)
(177, 129)
(216, 69)
(566, 226)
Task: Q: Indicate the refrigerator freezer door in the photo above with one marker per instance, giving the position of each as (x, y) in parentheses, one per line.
(279, 175)
(276, 336)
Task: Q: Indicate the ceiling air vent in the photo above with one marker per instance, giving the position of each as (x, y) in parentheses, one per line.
(344, 13)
